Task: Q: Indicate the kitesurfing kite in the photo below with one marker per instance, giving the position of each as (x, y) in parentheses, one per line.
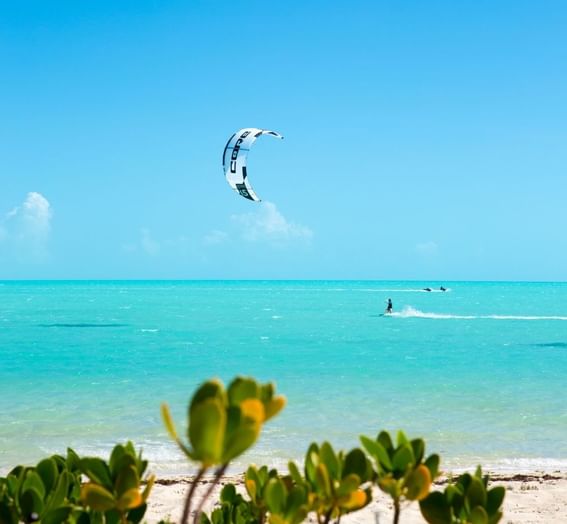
(234, 159)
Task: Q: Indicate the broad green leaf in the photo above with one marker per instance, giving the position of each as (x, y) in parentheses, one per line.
(73, 461)
(239, 437)
(32, 480)
(355, 462)
(476, 494)
(207, 426)
(386, 441)
(323, 482)
(435, 509)
(418, 483)
(136, 515)
(294, 472)
(31, 502)
(377, 450)
(97, 497)
(97, 470)
(418, 447)
(296, 498)
(117, 453)
(432, 463)
(47, 470)
(348, 485)
(311, 462)
(403, 458)
(59, 494)
(478, 515)
(242, 388)
(275, 495)
(402, 439)
(494, 499)
(210, 390)
(329, 458)
(127, 480)
(56, 515)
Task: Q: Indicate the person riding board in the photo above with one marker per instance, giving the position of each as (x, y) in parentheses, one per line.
(389, 307)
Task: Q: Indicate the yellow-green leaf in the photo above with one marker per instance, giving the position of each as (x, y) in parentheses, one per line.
(129, 500)
(127, 480)
(274, 406)
(97, 497)
(168, 421)
(207, 428)
(418, 483)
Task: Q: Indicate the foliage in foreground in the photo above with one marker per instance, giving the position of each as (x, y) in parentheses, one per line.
(53, 491)
(222, 424)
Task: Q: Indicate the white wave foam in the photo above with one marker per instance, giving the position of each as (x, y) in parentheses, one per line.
(149, 330)
(411, 312)
(409, 290)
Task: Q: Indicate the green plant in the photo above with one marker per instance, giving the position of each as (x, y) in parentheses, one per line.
(47, 492)
(115, 488)
(335, 481)
(222, 425)
(234, 509)
(401, 471)
(468, 501)
(255, 481)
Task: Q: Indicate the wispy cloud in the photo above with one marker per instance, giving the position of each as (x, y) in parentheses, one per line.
(267, 224)
(215, 237)
(427, 249)
(25, 230)
(146, 243)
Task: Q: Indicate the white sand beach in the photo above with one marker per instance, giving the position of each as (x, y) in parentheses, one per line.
(537, 498)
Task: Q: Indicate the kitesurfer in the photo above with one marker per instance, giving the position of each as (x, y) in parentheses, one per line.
(442, 288)
(389, 307)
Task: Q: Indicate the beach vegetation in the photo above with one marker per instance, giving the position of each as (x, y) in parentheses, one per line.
(222, 424)
(401, 468)
(54, 490)
(466, 501)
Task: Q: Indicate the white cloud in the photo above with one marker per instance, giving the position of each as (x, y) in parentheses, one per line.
(25, 229)
(427, 249)
(149, 245)
(269, 225)
(215, 237)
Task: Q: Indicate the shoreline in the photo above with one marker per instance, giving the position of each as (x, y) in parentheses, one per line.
(531, 498)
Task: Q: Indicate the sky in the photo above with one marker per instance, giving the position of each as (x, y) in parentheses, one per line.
(423, 140)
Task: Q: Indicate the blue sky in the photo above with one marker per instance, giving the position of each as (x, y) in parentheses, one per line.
(424, 140)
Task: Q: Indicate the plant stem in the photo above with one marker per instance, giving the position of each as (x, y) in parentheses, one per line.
(396, 511)
(190, 493)
(219, 473)
(328, 516)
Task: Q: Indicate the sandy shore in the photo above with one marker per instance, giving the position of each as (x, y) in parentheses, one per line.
(537, 498)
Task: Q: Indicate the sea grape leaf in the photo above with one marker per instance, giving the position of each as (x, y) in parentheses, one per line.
(97, 497)
(435, 509)
(206, 430)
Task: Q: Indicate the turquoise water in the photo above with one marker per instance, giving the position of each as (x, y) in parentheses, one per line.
(480, 371)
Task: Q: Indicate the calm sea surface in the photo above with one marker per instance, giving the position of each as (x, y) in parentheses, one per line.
(480, 371)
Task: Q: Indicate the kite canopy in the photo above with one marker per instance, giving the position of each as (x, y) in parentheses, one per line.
(234, 159)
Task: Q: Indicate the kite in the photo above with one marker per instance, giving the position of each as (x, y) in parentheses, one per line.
(234, 159)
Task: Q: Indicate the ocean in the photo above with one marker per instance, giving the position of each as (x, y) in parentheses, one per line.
(479, 371)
